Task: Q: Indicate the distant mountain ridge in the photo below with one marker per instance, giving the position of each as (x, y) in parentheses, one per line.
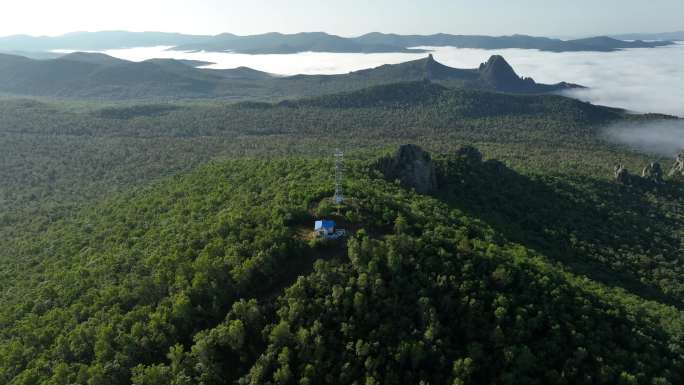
(278, 43)
(86, 41)
(670, 36)
(88, 75)
(600, 44)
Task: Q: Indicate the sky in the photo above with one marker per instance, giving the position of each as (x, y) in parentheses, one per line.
(558, 18)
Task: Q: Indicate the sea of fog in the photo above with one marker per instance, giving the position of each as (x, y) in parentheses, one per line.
(639, 80)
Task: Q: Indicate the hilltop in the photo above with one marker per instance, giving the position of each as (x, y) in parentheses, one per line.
(206, 277)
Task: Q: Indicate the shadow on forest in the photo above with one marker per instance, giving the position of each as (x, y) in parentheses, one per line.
(600, 229)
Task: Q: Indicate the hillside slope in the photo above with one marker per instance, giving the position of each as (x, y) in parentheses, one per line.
(176, 282)
(467, 103)
(96, 75)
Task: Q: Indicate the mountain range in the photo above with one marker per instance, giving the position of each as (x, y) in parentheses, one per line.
(96, 75)
(278, 43)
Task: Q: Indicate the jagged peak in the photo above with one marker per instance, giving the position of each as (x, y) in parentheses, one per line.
(498, 63)
(498, 73)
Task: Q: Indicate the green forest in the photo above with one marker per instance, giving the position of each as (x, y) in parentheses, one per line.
(170, 243)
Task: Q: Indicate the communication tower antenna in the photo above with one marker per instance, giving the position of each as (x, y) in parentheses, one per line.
(339, 176)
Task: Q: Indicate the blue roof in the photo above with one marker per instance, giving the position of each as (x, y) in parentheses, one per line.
(324, 224)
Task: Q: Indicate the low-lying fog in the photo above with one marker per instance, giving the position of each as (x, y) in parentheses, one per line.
(641, 80)
(664, 138)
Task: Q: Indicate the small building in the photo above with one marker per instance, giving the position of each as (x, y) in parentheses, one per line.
(324, 228)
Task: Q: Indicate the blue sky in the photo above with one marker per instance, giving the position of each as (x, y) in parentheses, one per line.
(347, 17)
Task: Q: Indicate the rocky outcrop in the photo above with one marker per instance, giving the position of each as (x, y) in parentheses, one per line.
(678, 166)
(470, 154)
(500, 75)
(412, 167)
(622, 175)
(497, 74)
(653, 173)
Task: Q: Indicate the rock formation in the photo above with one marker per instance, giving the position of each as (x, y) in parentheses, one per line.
(500, 75)
(622, 175)
(412, 166)
(470, 154)
(653, 173)
(678, 166)
(497, 74)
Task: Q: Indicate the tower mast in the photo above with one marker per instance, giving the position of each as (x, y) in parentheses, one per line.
(339, 176)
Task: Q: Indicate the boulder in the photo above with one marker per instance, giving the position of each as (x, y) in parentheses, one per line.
(412, 167)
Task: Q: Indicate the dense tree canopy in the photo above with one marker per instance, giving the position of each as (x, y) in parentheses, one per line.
(179, 283)
(170, 244)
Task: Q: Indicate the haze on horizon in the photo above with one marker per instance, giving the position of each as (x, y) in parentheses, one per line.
(349, 18)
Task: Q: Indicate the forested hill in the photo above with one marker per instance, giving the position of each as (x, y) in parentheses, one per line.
(60, 154)
(494, 75)
(460, 102)
(278, 43)
(93, 75)
(212, 278)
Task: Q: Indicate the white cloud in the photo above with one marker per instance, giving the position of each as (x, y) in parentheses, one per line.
(640, 80)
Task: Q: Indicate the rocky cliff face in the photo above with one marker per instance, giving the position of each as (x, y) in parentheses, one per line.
(412, 166)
